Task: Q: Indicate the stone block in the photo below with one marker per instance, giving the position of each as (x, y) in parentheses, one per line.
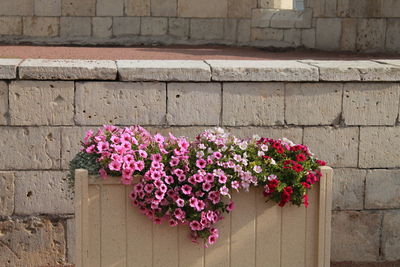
(308, 38)
(38, 192)
(194, 103)
(241, 8)
(261, 17)
(6, 193)
(337, 146)
(67, 69)
(16, 7)
(207, 29)
(349, 33)
(75, 26)
(371, 35)
(78, 8)
(163, 70)
(258, 104)
(313, 103)
(126, 26)
(359, 8)
(393, 35)
(355, 236)
(262, 70)
(137, 7)
(70, 240)
(41, 26)
(120, 103)
(391, 236)
(266, 34)
(49, 8)
(329, 31)
(285, 18)
(382, 189)
(378, 147)
(355, 70)
(330, 8)
(292, 37)
(304, 19)
(348, 189)
(29, 148)
(71, 138)
(230, 29)
(164, 8)
(371, 103)
(102, 27)
(4, 114)
(110, 8)
(32, 241)
(294, 134)
(390, 8)
(243, 30)
(154, 26)
(203, 9)
(178, 27)
(10, 25)
(41, 103)
(189, 132)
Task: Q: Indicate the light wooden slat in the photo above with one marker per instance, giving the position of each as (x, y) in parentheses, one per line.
(113, 227)
(165, 245)
(190, 254)
(243, 225)
(95, 226)
(311, 227)
(81, 217)
(268, 231)
(218, 255)
(327, 174)
(139, 236)
(110, 180)
(293, 236)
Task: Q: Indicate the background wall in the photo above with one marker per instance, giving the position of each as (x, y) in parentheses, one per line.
(349, 118)
(350, 25)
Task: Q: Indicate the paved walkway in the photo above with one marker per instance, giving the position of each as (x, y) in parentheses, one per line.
(172, 52)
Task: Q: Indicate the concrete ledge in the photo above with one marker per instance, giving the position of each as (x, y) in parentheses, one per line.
(49, 69)
(8, 68)
(163, 70)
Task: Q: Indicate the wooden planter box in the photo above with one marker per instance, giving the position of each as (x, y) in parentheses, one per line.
(110, 232)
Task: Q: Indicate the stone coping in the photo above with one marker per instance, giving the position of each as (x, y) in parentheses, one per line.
(201, 70)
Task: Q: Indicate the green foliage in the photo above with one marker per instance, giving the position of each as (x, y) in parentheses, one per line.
(83, 160)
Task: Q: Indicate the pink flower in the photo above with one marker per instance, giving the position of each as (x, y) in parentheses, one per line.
(159, 138)
(156, 157)
(212, 239)
(174, 161)
(257, 169)
(169, 180)
(195, 226)
(186, 189)
(142, 153)
(115, 139)
(148, 188)
(201, 163)
(200, 205)
(222, 179)
(217, 155)
(139, 165)
(90, 149)
(102, 146)
(224, 191)
(214, 197)
(179, 214)
(209, 177)
(173, 223)
(180, 202)
(114, 165)
(103, 173)
(230, 206)
(206, 186)
(159, 194)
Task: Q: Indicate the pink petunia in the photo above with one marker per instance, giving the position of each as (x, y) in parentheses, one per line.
(114, 165)
(201, 163)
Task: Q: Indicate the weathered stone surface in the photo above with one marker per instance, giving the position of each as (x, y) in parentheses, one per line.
(359, 8)
(243, 30)
(393, 35)
(102, 27)
(41, 103)
(41, 26)
(31, 242)
(67, 69)
(6, 193)
(337, 146)
(164, 8)
(137, 7)
(178, 27)
(313, 103)
(355, 236)
(38, 192)
(355, 70)
(285, 18)
(3, 103)
(163, 70)
(258, 104)
(29, 148)
(10, 25)
(382, 189)
(308, 38)
(349, 34)
(230, 29)
(16, 7)
(371, 34)
(71, 138)
(329, 31)
(330, 8)
(110, 8)
(71, 240)
(120, 103)
(206, 29)
(75, 26)
(261, 17)
(371, 103)
(294, 134)
(348, 189)
(266, 34)
(292, 36)
(262, 70)
(154, 26)
(194, 103)
(241, 8)
(126, 26)
(304, 19)
(378, 147)
(47, 8)
(391, 235)
(78, 7)
(391, 8)
(203, 9)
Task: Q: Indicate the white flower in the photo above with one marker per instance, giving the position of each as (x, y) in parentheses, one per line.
(237, 157)
(256, 137)
(260, 153)
(244, 162)
(238, 168)
(245, 155)
(273, 162)
(243, 145)
(257, 169)
(264, 147)
(224, 191)
(209, 150)
(224, 148)
(202, 146)
(272, 177)
(287, 141)
(200, 154)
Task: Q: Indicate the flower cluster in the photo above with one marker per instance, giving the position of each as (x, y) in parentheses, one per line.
(190, 182)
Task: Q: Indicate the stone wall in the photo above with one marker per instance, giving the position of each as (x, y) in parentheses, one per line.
(347, 112)
(347, 25)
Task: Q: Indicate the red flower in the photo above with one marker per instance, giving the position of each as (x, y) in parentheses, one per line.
(286, 195)
(280, 150)
(320, 162)
(305, 200)
(306, 185)
(297, 167)
(301, 157)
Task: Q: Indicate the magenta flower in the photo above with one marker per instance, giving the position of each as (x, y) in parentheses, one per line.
(186, 189)
(201, 163)
(114, 166)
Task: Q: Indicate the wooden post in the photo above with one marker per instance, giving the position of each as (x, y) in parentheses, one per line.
(81, 217)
